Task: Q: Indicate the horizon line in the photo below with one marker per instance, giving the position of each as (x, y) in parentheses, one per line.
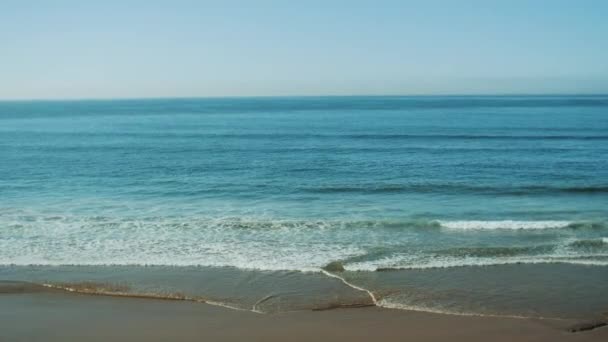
(295, 96)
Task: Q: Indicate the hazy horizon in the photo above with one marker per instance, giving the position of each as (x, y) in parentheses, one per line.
(185, 49)
(152, 98)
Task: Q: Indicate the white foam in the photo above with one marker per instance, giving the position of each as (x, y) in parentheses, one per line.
(353, 286)
(69, 288)
(241, 242)
(506, 224)
(215, 242)
(388, 304)
(406, 263)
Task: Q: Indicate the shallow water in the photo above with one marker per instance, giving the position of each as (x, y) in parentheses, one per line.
(538, 290)
(291, 184)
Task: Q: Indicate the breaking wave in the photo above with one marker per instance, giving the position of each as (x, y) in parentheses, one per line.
(286, 244)
(506, 224)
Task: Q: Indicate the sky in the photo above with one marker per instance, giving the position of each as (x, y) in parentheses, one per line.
(139, 49)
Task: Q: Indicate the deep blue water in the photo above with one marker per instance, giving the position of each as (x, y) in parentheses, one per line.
(295, 183)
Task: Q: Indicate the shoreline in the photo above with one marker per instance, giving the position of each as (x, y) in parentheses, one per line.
(508, 291)
(32, 313)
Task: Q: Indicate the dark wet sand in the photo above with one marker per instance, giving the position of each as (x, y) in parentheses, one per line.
(30, 313)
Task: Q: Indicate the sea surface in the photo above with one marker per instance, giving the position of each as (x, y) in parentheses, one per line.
(469, 205)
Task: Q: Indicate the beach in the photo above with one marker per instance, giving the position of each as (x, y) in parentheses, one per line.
(32, 313)
(304, 171)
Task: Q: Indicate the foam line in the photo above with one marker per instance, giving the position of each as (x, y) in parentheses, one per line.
(358, 288)
(505, 224)
(224, 305)
(396, 306)
(147, 296)
(262, 300)
(387, 305)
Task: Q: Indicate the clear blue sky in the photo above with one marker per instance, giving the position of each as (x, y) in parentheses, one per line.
(102, 49)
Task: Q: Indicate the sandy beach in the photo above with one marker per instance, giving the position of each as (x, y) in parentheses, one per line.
(34, 313)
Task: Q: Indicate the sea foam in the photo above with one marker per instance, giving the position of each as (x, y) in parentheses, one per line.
(505, 224)
(268, 243)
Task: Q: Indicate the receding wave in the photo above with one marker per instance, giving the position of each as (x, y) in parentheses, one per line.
(92, 288)
(117, 290)
(457, 189)
(120, 290)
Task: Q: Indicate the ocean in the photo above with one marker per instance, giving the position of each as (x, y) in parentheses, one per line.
(475, 205)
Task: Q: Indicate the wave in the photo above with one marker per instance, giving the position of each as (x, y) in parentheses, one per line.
(496, 251)
(590, 243)
(395, 265)
(20, 219)
(475, 137)
(295, 136)
(27, 220)
(457, 189)
(169, 149)
(271, 244)
(214, 106)
(507, 224)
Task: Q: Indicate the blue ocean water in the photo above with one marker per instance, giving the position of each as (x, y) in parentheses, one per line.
(297, 183)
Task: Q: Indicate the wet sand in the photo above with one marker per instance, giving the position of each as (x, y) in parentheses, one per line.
(34, 313)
